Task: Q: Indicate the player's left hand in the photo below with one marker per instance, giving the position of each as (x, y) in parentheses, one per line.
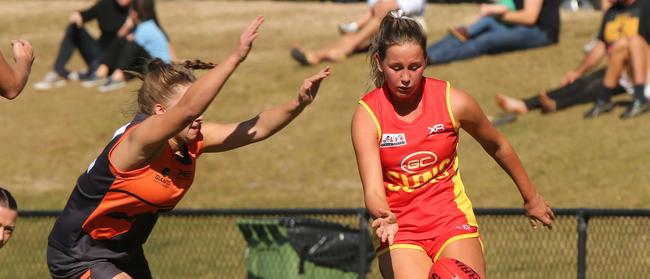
(310, 86)
(537, 209)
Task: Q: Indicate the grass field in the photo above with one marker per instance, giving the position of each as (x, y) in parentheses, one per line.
(50, 137)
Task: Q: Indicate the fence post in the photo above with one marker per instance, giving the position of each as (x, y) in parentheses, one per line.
(363, 227)
(582, 244)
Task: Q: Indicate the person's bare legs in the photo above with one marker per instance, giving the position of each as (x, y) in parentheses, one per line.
(469, 251)
(404, 263)
(618, 60)
(350, 42)
(618, 55)
(364, 18)
(638, 59)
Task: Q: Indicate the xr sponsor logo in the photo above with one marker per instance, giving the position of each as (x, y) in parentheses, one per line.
(435, 129)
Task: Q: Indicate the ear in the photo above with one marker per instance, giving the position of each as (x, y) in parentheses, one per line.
(159, 109)
(377, 61)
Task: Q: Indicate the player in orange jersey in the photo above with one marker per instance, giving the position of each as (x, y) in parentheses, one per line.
(149, 165)
(405, 134)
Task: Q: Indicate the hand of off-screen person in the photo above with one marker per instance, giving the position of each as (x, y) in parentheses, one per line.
(537, 210)
(310, 86)
(386, 226)
(247, 37)
(23, 54)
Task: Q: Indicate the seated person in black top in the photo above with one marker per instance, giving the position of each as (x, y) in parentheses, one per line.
(111, 16)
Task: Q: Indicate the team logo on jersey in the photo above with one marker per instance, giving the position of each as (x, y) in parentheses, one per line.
(436, 129)
(390, 140)
(418, 161)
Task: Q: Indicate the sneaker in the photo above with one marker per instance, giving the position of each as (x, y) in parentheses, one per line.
(460, 33)
(598, 109)
(93, 81)
(74, 76)
(51, 80)
(348, 27)
(112, 85)
(635, 109)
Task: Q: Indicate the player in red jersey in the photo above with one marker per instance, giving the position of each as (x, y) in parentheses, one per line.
(405, 134)
(149, 165)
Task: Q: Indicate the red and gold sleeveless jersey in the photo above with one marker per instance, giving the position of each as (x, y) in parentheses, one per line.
(111, 212)
(419, 163)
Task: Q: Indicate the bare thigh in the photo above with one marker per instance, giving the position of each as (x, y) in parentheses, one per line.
(405, 264)
(469, 251)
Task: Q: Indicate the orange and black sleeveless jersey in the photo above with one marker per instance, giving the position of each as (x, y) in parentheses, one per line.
(111, 212)
(419, 164)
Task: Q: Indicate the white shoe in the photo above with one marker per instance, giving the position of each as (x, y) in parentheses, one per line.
(51, 80)
(348, 27)
(93, 81)
(111, 85)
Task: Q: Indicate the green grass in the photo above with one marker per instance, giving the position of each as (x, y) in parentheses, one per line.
(50, 137)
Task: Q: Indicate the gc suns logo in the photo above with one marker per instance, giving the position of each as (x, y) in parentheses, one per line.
(418, 161)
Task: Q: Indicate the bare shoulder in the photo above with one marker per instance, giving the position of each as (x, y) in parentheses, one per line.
(465, 108)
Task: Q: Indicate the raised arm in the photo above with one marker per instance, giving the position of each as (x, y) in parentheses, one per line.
(473, 120)
(590, 60)
(366, 148)
(13, 79)
(222, 137)
(147, 139)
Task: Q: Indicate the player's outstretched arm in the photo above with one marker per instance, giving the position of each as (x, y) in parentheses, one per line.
(147, 139)
(13, 79)
(472, 119)
(222, 137)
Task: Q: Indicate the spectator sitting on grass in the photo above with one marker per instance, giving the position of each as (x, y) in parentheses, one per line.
(112, 18)
(485, 22)
(621, 42)
(535, 23)
(130, 54)
(356, 35)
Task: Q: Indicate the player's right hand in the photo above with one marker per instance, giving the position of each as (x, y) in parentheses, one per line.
(247, 37)
(309, 89)
(386, 226)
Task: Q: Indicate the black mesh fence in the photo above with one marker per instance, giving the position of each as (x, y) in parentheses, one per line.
(280, 244)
